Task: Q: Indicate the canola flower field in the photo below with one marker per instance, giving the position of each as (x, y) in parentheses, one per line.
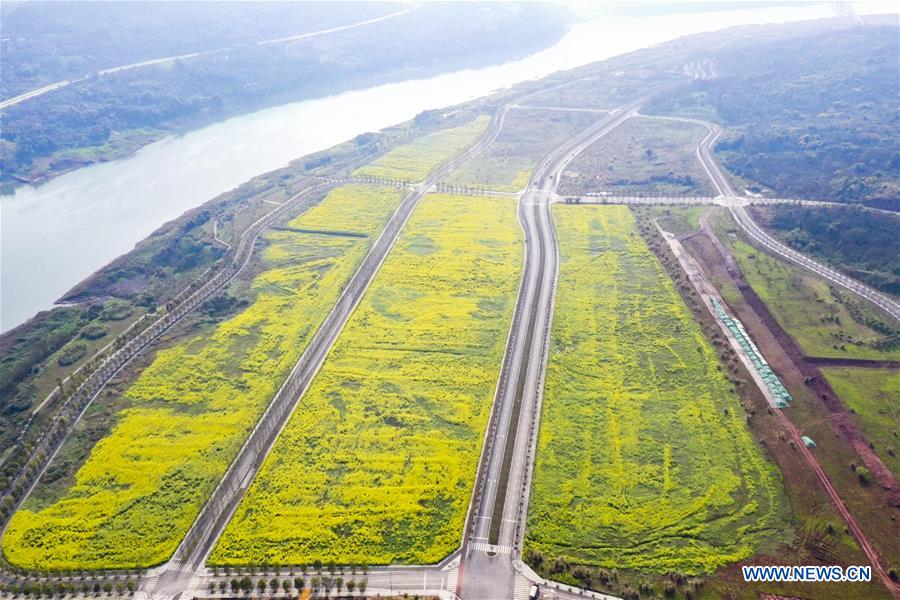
(190, 410)
(376, 464)
(416, 160)
(644, 460)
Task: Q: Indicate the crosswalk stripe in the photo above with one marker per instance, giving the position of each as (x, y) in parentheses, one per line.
(522, 587)
(451, 579)
(493, 549)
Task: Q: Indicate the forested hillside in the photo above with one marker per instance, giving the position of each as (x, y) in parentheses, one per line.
(814, 117)
(110, 116)
(863, 243)
(66, 40)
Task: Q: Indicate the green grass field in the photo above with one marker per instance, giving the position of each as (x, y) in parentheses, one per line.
(644, 460)
(377, 462)
(416, 160)
(820, 321)
(680, 220)
(874, 397)
(134, 498)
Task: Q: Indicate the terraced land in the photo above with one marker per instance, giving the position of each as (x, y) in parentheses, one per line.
(644, 460)
(642, 157)
(874, 397)
(377, 462)
(416, 160)
(139, 489)
(839, 326)
(527, 136)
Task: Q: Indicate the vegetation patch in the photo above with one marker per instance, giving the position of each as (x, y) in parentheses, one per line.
(377, 462)
(873, 395)
(141, 486)
(863, 243)
(94, 331)
(644, 460)
(71, 354)
(641, 157)
(416, 160)
(824, 320)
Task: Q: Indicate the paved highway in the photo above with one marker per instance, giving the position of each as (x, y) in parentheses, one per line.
(496, 520)
(176, 575)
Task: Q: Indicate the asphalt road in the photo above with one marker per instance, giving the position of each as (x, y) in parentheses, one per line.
(492, 540)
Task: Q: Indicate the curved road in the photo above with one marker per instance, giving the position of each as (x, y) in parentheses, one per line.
(736, 205)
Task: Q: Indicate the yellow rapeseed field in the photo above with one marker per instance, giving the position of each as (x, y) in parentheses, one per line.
(416, 160)
(644, 460)
(190, 410)
(377, 463)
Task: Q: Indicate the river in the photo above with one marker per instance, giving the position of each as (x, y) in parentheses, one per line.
(54, 235)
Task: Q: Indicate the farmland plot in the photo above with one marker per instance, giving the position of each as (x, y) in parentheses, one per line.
(644, 461)
(377, 462)
(134, 498)
(416, 160)
(527, 136)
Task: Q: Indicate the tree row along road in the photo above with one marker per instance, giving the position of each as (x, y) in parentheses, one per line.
(167, 59)
(492, 537)
(73, 408)
(206, 529)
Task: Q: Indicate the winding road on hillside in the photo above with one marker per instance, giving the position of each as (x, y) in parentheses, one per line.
(737, 205)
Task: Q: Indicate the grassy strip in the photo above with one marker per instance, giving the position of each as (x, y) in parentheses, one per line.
(824, 322)
(141, 487)
(376, 464)
(873, 395)
(644, 461)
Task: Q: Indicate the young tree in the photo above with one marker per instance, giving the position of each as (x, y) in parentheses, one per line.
(298, 584)
(286, 586)
(261, 586)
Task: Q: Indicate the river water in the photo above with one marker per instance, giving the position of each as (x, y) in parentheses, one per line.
(54, 235)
